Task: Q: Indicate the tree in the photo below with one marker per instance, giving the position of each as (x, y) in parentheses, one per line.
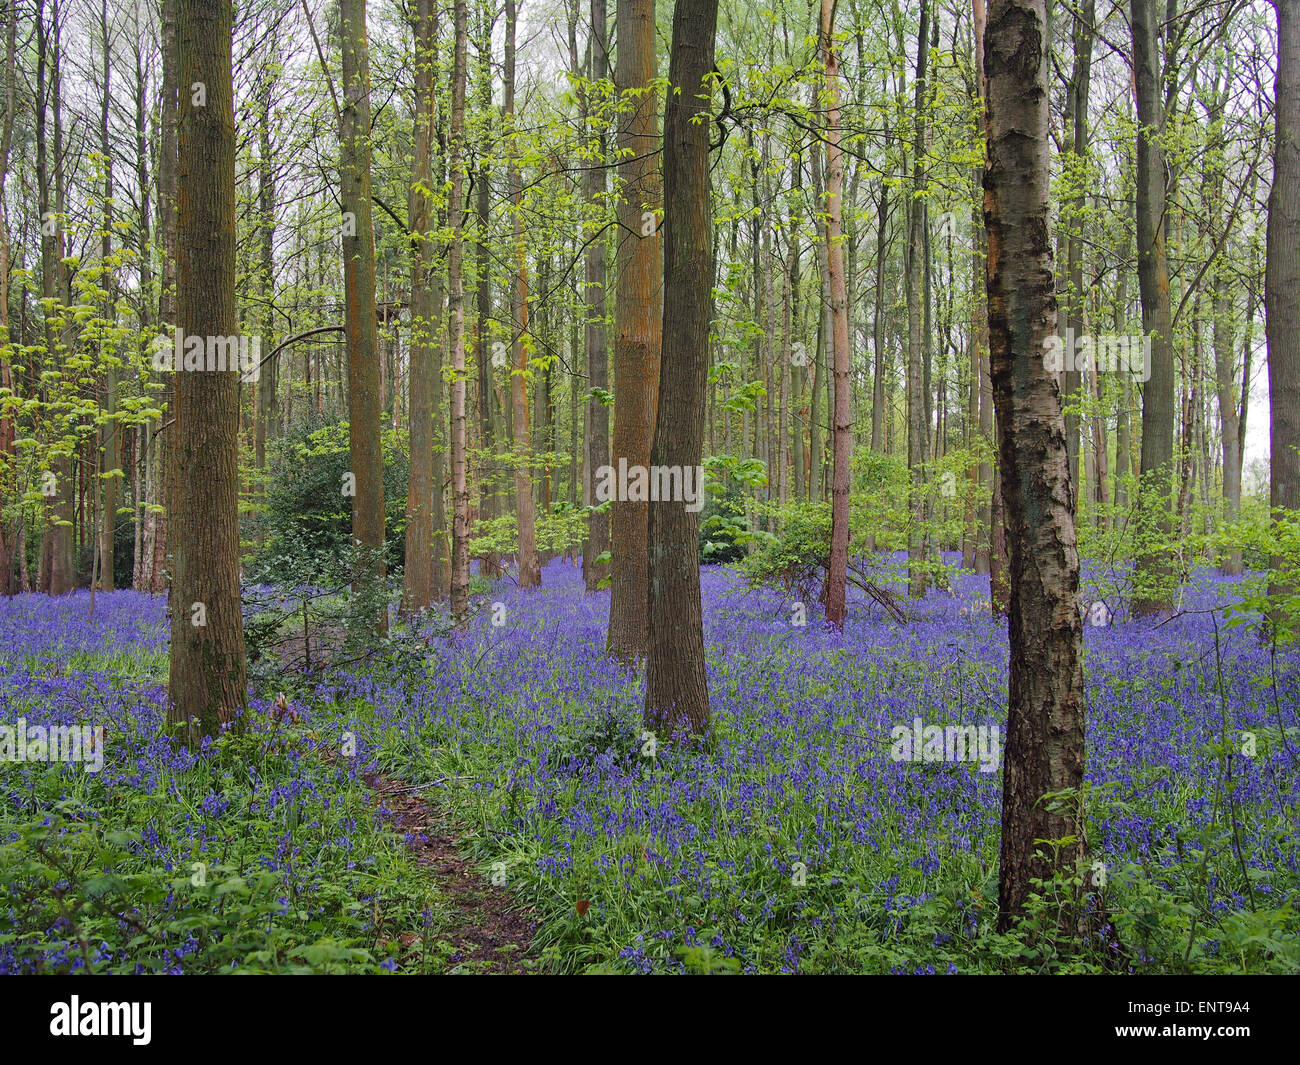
(456, 318)
(677, 695)
(162, 463)
(1224, 332)
(208, 687)
(842, 424)
(638, 316)
(7, 434)
(267, 408)
(424, 575)
(1154, 591)
(596, 546)
(1076, 154)
(58, 565)
(918, 443)
(1044, 741)
(1282, 272)
(361, 318)
(530, 573)
(108, 435)
(981, 401)
(489, 408)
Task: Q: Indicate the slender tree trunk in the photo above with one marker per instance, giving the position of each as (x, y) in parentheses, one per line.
(1124, 415)
(1225, 374)
(817, 481)
(1100, 460)
(543, 414)
(423, 575)
(456, 318)
(594, 570)
(990, 535)
(879, 355)
(164, 475)
(143, 434)
(1076, 155)
(1153, 578)
(783, 399)
(530, 573)
(7, 432)
(917, 387)
(1248, 352)
(1044, 742)
(639, 317)
(677, 696)
(208, 688)
(1223, 337)
(109, 446)
(58, 573)
(841, 426)
(971, 532)
(64, 556)
(489, 411)
(799, 376)
(268, 411)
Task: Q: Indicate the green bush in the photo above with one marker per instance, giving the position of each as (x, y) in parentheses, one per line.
(725, 533)
(305, 519)
(796, 556)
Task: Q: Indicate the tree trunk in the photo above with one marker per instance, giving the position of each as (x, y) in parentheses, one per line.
(594, 572)
(268, 413)
(108, 433)
(799, 375)
(424, 574)
(1076, 155)
(1282, 279)
(361, 317)
(1044, 742)
(208, 688)
(456, 318)
(530, 573)
(8, 536)
(164, 466)
(917, 390)
(143, 434)
(677, 696)
(817, 482)
(841, 425)
(992, 541)
(1223, 336)
(1154, 573)
(489, 411)
(58, 572)
(1124, 415)
(639, 317)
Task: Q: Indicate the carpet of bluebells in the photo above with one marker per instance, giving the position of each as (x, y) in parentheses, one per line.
(791, 842)
(256, 854)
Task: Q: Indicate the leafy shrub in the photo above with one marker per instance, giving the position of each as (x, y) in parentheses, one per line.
(1273, 595)
(796, 557)
(306, 520)
(725, 532)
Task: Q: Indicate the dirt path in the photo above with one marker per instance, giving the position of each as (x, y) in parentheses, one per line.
(489, 933)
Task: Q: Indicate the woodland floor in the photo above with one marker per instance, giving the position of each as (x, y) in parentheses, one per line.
(362, 831)
(488, 933)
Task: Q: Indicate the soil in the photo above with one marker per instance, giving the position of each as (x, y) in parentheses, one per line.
(489, 932)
